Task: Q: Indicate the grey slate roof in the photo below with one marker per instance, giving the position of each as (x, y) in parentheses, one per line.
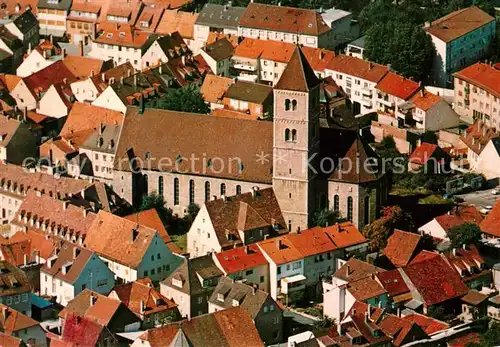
(109, 135)
(220, 16)
(25, 22)
(220, 49)
(359, 42)
(252, 301)
(248, 91)
(57, 4)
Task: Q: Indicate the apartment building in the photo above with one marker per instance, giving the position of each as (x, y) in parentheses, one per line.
(52, 15)
(216, 18)
(477, 93)
(393, 90)
(461, 38)
(122, 43)
(82, 20)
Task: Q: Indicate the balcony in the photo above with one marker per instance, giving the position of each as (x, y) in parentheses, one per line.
(248, 77)
(246, 66)
(366, 92)
(367, 102)
(292, 284)
(467, 90)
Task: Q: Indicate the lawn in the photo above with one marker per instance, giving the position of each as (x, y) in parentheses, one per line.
(435, 200)
(180, 241)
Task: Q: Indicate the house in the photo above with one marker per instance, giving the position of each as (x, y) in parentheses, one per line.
(356, 48)
(288, 24)
(218, 55)
(26, 28)
(251, 98)
(56, 102)
(213, 90)
(470, 265)
(235, 221)
(21, 326)
(146, 303)
(393, 90)
(489, 226)
(426, 111)
(246, 264)
(16, 290)
(17, 141)
(121, 43)
(402, 247)
(405, 139)
(476, 137)
(219, 18)
(7, 340)
(191, 285)
(232, 327)
(428, 324)
(266, 314)
(441, 225)
(338, 300)
(488, 159)
(179, 21)
(130, 250)
(358, 79)
(163, 49)
(477, 94)
(82, 331)
(52, 16)
(184, 183)
(429, 158)
(397, 291)
(81, 21)
(43, 55)
(67, 273)
(109, 313)
(461, 38)
(432, 281)
(12, 50)
(28, 247)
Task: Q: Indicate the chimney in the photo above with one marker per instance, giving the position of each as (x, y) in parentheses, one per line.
(65, 80)
(398, 312)
(29, 48)
(367, 316)
(421, 91)
(183, 59)
(80, 48)
(92, 299)
(160, 69)
(91, 73)
(65, 205)
(101, 128)
(254, 289)
(103, 77)
(246, 249)
(464, 246)
(141, 104)
(63, 52)
(121, 80)
(85, 212)
(129, 73)
(25, 259)
(135, 233)
(44, 54)
(348, 269)
(368, 311)
(278, 243)
(454, 251)
(370, 65)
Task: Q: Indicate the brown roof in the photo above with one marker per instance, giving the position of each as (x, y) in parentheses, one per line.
(399, 329)
(401, 247)
(83, 67)
(13, 280)
(355, 269)
(478, 135)
(482, 75)
(174, 20)
(132, 294)
(39, 242)
(42, 80)
(151, 219)
(298, 74)
(282, 18)
(10, 81)
(268, 50)
(8, 127)
(12, 320)
(425, 100)
(458, 216)
(490, 224)
(248, 91)
(459, 23)
(11, 341)
(222, 112)
(398, 86)
(225, 138)
(365, 288)
(71, 261)
(122, 35)
(119, 239)
(318, 58)
(358, 67)
(214, 87)
(220, 49)
(473, 297)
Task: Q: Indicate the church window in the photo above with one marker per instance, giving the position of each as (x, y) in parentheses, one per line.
(145, 184)
(349, 208)
(287, 134)
(160, 186)
(222, 189)
(207, 191)
(287, 105)
(176, 191)
(191, 192)
(294, 105)
(336, 202)
(367, 210)
(238, 189)
(294, 135)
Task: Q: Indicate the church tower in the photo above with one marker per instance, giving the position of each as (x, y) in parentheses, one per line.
(296, 141)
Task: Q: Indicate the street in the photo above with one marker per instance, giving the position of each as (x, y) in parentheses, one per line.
(480, 199)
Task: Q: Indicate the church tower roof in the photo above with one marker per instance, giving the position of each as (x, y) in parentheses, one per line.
(298, 75)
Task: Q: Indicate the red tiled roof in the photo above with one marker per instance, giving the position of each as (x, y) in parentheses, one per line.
(483, 76)
(491, 224)
(121, 35)
(81, 331)
(393, 282)
(425, 100)
(422, 153)
(180, 21)
(10, 341)
(465, 340)
(151, 219)
(358, 67)
(214, 87)
(401, 246)
(459, 216)
(430, 325)
(435, 280)
(53, 74)
(365, 288)
(355, 269)
(240, 259)
(312, 242)
(396, 327)
(478, 135)
(344, 234)
(281, 250)
(398, 86)
(222, 112)
(318, 58)
(12, 320)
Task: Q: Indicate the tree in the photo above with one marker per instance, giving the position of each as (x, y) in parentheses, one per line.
(464, 234)
(325, 217)
(489, 338)
(186, 99)
(403, 45)
(393, 217)
(157, 202)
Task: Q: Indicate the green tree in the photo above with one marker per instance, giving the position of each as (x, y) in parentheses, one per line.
(403, 45)
(464, 234)
(489, 338)
(325, 217)
(157, 202)
(186, 99)
(393, 217)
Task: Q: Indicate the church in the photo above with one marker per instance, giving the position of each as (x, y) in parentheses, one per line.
(192, 158)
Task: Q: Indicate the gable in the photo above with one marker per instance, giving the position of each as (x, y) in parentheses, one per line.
(108, 99)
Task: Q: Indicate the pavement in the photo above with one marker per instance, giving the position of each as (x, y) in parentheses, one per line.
(480, 199)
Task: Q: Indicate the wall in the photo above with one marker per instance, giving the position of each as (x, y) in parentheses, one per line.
(9, 204)
(52, 21)
(181, 299)
(434, 229)
(35, 333)
(488, 163)
(440, 116)
(201, 238)
(119, 54)
(158, 261)
(23, 96)
(108, 99)
(33, 63)
(63, 291)
(52, 105)
(306, 40)
(269, 322)
(20, 302)
(84, 90)
(102, 163)
(153, 56)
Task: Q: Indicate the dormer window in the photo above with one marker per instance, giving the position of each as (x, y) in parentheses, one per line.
(109, 35)
(236, 303)
(121, 34)
(220, 297)
(144, 24)
(176, 282)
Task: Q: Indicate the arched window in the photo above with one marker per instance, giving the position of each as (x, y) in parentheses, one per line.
(294, 105)
(207, 191)
(287, 134)
(287, 104)
(238, 189)
(160, 186)
(145, 184)
(349, 208)
(367, 210)
(176, 191)
(222, 189)
(294, 135)
(336, 203)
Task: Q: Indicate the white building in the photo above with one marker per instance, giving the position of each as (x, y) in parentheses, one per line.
(52, 15)
(218, 18)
